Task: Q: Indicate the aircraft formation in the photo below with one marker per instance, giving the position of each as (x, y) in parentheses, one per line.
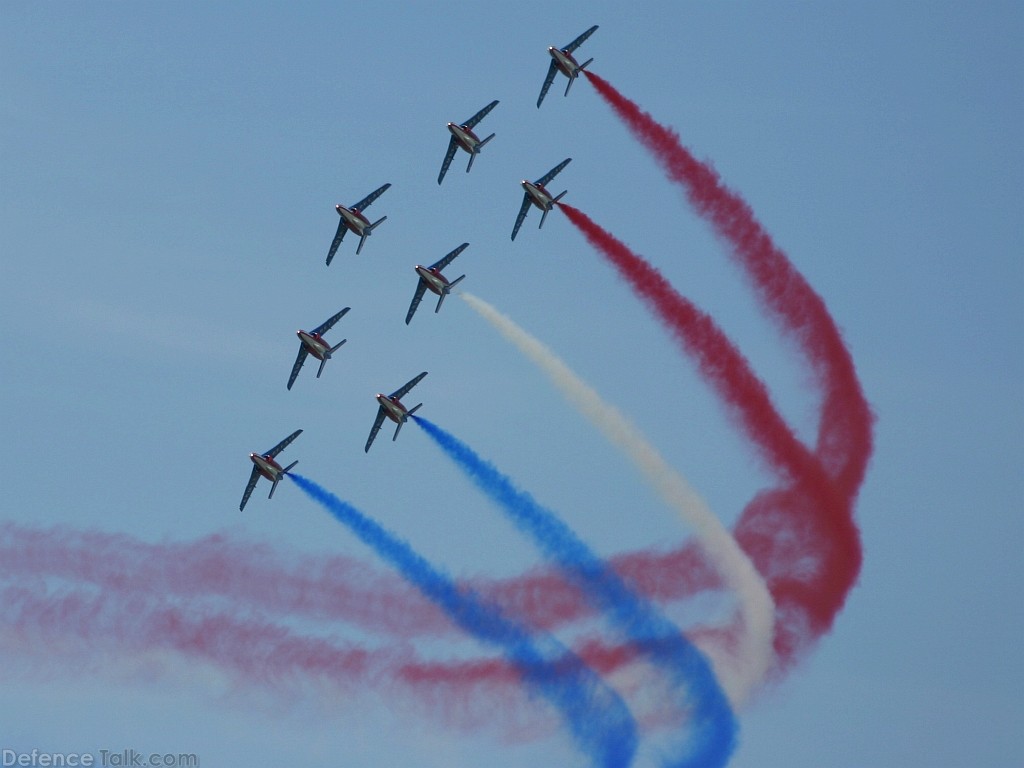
(353, 219)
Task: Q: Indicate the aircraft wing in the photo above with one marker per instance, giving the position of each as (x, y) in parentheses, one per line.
(548, 80)
(448, 157)
(579, 40)
(299, 360)
(328, 324)
(400, 393)
(449, 258)
(552, 173)
(421, 288)
(338, 236)
(377, 424)
(283, 444)
(363, 204)
(522, 214)
(249, 487)
(480, 115)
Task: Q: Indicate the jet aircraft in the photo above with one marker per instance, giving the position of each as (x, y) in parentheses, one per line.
(391, 406)
(431, 277)
(313, 344)
(266, 466)
(353, 219)
(463, 136)
(539, 196)
(562, 61)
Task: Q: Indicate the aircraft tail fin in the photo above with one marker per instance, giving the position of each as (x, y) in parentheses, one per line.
(576, 73)
(472, 157)
(273, 488)
(367, 232)
(322, 364)
(397, 430)
(446, 291)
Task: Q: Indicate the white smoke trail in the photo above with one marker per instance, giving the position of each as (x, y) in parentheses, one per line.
(747, 668)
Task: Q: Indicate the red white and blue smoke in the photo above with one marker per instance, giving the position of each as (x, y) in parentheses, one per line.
(246, 608)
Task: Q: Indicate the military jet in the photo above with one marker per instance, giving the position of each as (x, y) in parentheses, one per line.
(463, 136)
(353, 219)
(539, 196)
(391, 406)
(562, 61)
(313, 344)
(431, 277)
(267, 467)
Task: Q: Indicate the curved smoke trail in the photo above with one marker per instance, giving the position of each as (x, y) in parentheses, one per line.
(713, 725)
(800, 552)
(749, 665)
(597, 717)
(845, 433)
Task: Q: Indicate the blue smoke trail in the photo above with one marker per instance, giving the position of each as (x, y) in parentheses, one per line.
(713, 736)
(598, 718)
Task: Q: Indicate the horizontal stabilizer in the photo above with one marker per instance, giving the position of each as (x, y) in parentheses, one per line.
(584, 64)
(378, 221)
(273, 487)
(322, 364)
(415, 408)
(337, 346)
(481, 144)
(559, 197)
(288, 469)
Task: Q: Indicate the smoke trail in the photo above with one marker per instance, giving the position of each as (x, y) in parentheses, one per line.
(845, 435)
(713, 725)
(87, 624)
(596, 715)
(755, 652)
(801, 537)
(719, 361)
(845, 438)
(327, 588)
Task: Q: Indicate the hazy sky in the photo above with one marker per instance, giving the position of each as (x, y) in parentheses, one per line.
(168, 176)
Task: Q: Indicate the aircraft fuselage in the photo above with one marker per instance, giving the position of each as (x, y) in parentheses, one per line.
(434, 280)
(354, 219)
(269, 468)
(539, 196)
(315, 344)
(565, 61)
(465, 137)
(393, 408)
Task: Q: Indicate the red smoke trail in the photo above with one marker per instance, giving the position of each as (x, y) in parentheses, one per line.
(325, 588)
(845, 439)
(777, 530)
(845, 432)
(209, 600)
(110, 631)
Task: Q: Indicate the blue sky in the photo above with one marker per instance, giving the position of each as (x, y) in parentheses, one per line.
(169, 175)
